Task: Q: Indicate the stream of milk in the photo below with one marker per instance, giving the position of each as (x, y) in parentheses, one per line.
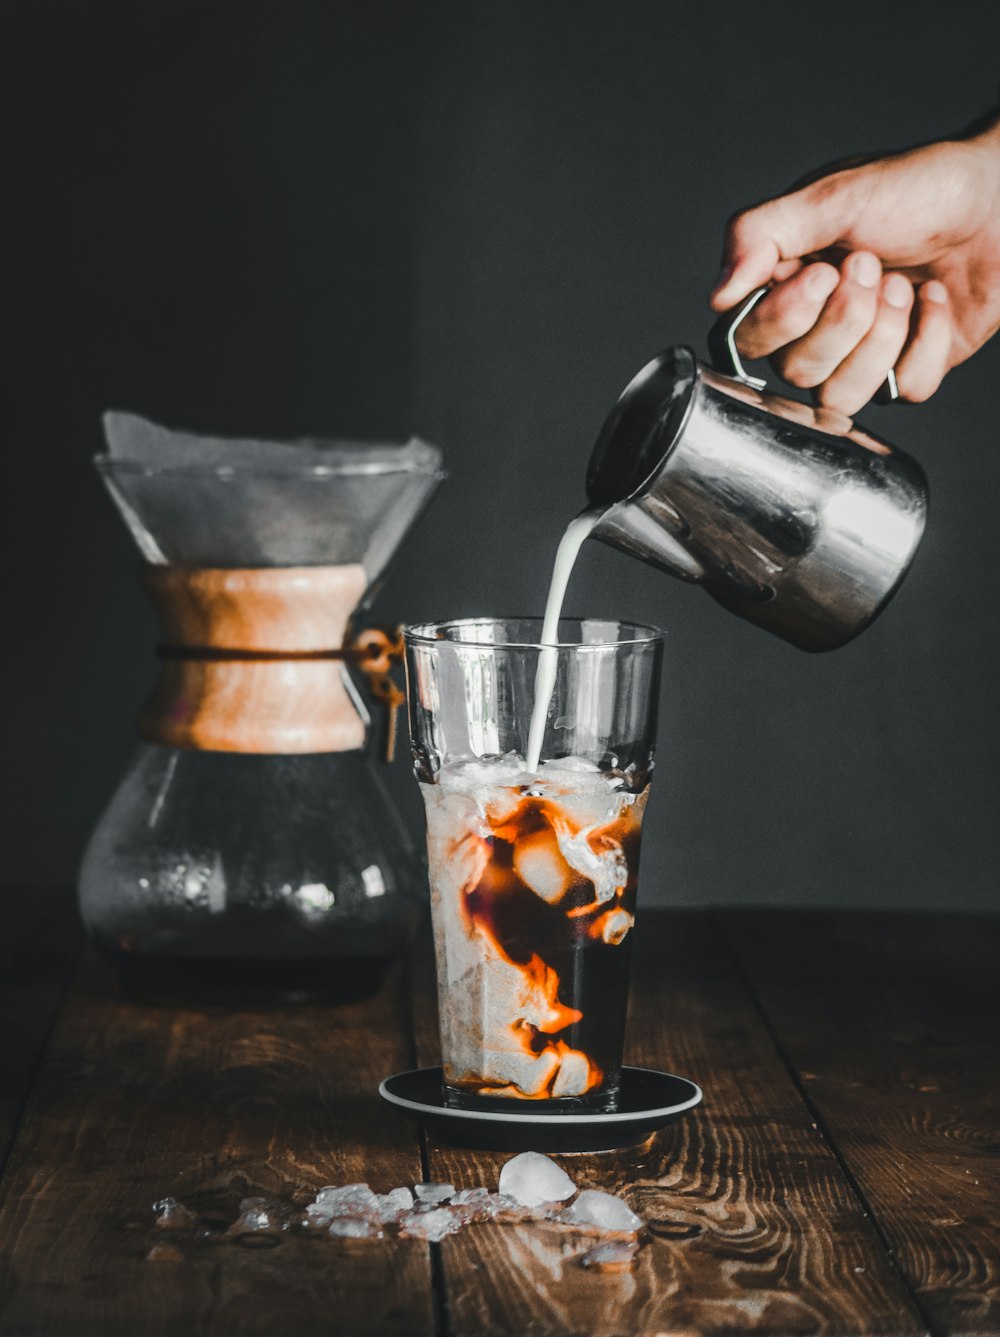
(548, 660)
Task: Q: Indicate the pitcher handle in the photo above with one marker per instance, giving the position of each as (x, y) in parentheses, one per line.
(725, 356)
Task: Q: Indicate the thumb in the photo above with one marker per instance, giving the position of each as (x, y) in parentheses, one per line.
(786, 228)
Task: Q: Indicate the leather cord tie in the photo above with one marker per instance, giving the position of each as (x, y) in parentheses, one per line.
(374, 651)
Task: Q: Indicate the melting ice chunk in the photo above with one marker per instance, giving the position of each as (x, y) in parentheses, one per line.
(540, 865)
(607, 869)
(355, 1227)
(573, 1077)
(499, 1205)
(617, 1256)
(531, 1179)
(428, 1193)
(603, 1210)
(470, 1195)
(433, 1225)
(260, 1215)
(473, 1204)
(390, 1206)
(615, 925)
(348, 1200)
(576, 765)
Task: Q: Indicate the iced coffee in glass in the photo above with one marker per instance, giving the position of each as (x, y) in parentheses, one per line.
(533, 837)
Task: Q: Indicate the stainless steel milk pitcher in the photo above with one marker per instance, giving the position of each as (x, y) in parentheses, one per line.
(791, 516)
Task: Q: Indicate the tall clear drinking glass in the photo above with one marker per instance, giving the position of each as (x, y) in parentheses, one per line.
(533, 861)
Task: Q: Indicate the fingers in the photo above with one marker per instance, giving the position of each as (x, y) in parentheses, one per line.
(788, 312)
(845, 320)
(758, 240)
(859, 375)
(840, 332)
(924, 362)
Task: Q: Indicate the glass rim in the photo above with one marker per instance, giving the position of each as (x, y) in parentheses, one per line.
(105, 464)
(419, 633)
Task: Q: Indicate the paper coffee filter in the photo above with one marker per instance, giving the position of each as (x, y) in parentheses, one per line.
(215, 502)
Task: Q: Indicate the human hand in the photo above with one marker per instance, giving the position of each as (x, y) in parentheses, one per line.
(894, 262)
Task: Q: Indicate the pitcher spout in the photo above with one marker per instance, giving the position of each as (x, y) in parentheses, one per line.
(631, 527)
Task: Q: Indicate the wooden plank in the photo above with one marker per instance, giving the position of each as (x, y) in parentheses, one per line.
(893, 1023)
(755, 1228)
(39, 944)
(207, 1105)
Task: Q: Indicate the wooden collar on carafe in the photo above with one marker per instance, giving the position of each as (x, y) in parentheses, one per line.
(253, 660)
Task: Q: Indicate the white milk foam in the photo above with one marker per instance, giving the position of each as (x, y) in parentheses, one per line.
(545, 675)
(478, 793)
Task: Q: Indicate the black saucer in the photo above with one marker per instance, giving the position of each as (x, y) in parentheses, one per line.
(647, 1100)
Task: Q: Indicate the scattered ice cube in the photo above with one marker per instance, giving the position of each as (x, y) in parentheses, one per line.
(260, 1215)
(499, 1207)
(470, 1195)
(173, 1215)
(389, 1207)
(433, 1192)
(531, 1179)
(345, 1193)
(473, 1204)
(433, 1225)
(348, 1200)
(545, 1211)
(355, 1227)
(618, 1256)
(532, 1188)
(603, 1210)
(356, 1202)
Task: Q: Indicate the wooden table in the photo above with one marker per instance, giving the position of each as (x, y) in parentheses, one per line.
(841, 1176)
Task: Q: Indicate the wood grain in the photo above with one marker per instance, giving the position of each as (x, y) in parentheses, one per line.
(39, 944)
(289, 706)
(136, 1102)
(893, 1023)
(755, 1229)
(849, 1065)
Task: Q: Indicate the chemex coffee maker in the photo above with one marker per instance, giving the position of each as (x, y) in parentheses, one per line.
(250, 848)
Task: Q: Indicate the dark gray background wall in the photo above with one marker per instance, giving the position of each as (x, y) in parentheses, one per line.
(475, 221)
